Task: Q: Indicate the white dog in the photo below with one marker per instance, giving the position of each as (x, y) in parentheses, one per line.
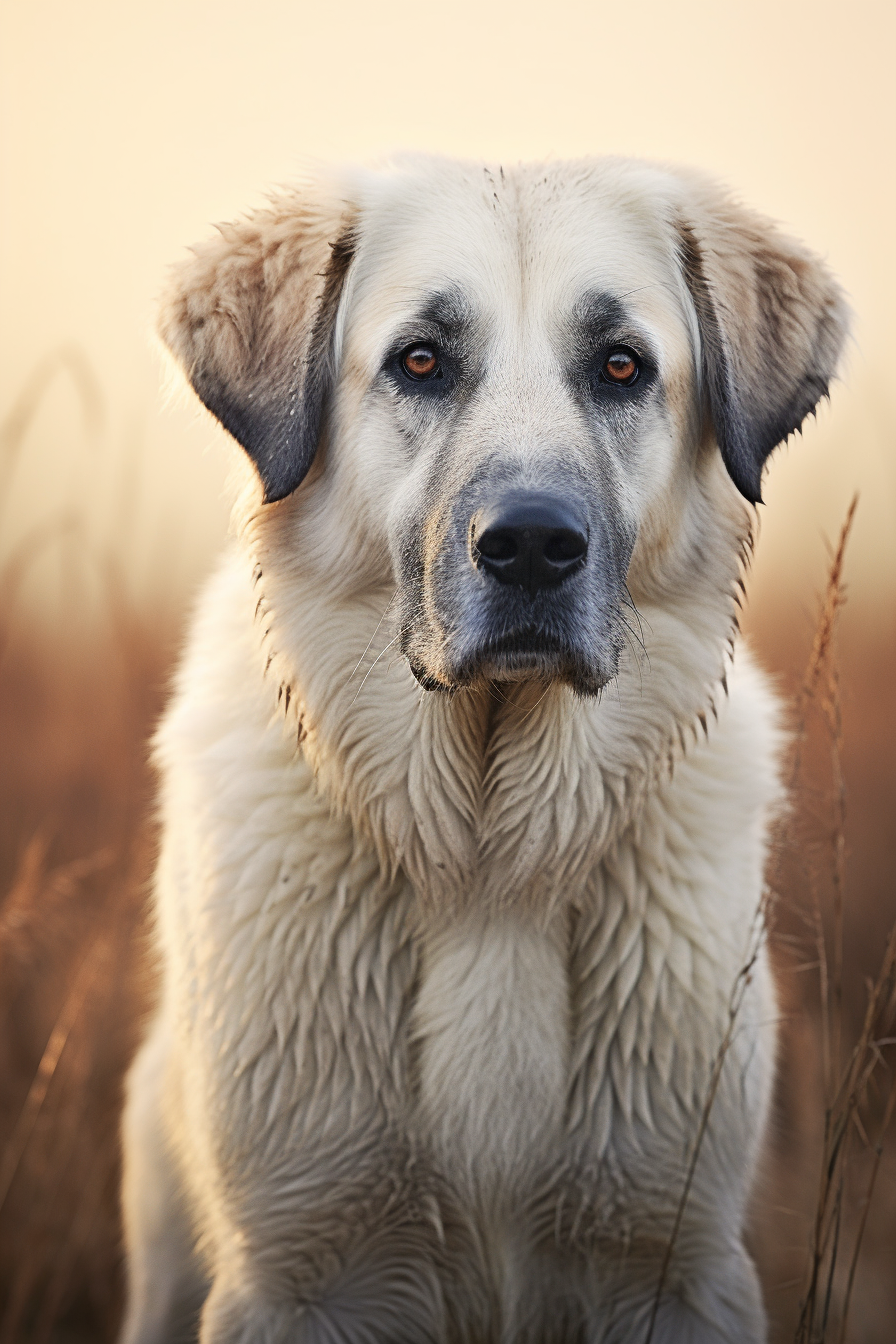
(466, 1033)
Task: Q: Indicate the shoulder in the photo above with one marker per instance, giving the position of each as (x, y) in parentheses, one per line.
(726, 786)
(219, 683)
(750, 738)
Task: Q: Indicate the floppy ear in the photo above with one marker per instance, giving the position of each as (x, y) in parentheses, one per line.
(772, 325)
(250, 317)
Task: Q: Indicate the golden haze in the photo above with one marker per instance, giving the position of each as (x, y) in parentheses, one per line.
(128, 129)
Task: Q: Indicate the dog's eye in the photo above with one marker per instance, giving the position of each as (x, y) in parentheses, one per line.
(621, 366)
(420, 362)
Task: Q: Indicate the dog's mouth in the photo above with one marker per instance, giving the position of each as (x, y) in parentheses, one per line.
(527, 655)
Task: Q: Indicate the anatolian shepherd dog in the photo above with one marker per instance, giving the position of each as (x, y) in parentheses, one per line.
(466, 779)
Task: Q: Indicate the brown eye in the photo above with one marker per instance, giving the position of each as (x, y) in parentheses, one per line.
(621, 366)
(420, 361)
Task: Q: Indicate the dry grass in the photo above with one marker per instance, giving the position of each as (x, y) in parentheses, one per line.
(76, 845)
(75, 851)
(832, 914)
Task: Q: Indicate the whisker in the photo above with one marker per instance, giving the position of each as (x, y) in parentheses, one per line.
(392, 641)
(629, 601)
(625, 626)
(537, 703)
(498, 696)
(654, 284)
(626, 633)
(372, 638)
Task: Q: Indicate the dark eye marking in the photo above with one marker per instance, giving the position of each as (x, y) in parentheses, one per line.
(434, 353)
(614, 363)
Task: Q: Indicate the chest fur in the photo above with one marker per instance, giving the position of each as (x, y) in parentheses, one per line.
(592, 1033)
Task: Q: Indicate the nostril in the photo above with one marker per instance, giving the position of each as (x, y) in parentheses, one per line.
(530, 540)
(562, 548)
(495, 544)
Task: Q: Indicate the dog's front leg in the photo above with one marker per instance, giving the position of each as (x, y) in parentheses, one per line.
(166, 1278)
(711, 1296)
(318, 1216)
(396, 1298)
(338, 1244)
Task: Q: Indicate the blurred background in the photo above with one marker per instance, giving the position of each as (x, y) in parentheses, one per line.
(127, 130)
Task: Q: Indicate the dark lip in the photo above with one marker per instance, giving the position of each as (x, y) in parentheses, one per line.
(525, 642)
(532, 652)
(535, 655)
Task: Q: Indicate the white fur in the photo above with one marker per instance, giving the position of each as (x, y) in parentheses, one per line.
(445, 980)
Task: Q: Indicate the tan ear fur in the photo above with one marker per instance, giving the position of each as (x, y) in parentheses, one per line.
(250, 317)
(773, 322)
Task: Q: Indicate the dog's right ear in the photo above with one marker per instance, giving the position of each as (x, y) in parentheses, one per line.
(250, 318)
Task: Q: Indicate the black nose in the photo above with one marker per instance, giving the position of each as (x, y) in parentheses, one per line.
(533, 541)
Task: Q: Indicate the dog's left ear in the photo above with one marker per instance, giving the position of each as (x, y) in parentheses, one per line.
(772, 321)
(251, 317)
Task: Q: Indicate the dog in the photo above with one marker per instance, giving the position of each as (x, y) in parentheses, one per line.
(466, 1027)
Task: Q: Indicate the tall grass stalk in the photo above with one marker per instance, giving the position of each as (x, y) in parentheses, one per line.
(849, 1073)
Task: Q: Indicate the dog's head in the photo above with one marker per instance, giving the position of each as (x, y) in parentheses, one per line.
(518, 378)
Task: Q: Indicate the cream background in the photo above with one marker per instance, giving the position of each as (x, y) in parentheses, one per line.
(128, 128)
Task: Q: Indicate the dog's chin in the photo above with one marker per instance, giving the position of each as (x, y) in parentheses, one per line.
(521, 663)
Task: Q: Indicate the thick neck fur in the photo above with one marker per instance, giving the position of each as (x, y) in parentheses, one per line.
(500, 792)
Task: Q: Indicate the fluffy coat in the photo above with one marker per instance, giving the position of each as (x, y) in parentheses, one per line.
(450, 979)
